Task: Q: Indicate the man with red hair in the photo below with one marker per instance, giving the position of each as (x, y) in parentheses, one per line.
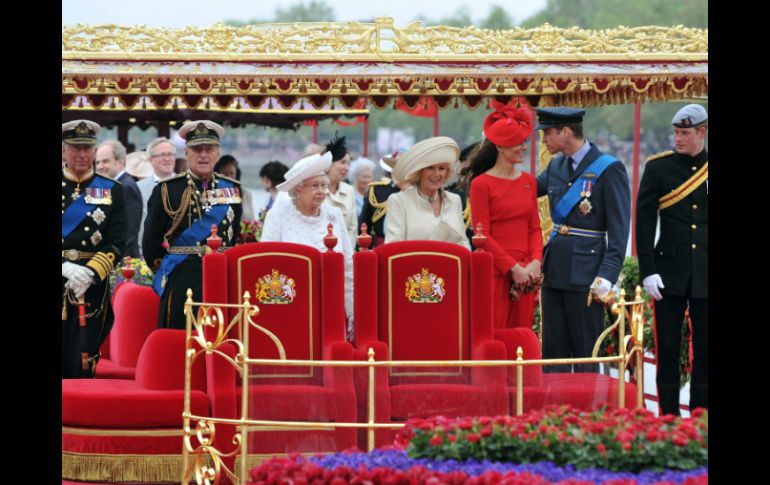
(590, 200)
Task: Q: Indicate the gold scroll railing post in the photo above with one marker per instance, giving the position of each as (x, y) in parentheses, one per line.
(187, 385)
(370, 429)
(519, 383)
(619, 308)
(243, 327)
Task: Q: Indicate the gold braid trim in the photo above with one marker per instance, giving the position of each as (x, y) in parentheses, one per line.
(123, 468)
(381, 208)
(178, 214)
(102, 263)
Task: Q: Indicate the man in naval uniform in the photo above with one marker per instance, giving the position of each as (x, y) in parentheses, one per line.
(94, 231)
(590, 200)
(180, 213)
(675, 271)
(376, 201)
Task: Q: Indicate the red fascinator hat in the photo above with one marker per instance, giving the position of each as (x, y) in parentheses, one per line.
(508, 125)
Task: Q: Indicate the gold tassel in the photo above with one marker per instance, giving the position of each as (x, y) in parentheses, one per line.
(64, 310)
(123, 468)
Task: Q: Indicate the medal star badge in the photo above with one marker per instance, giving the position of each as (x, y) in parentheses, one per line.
(585, 207)
(96, 237)
(98, 216)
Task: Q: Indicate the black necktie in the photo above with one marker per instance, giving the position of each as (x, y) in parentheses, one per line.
(569, 166)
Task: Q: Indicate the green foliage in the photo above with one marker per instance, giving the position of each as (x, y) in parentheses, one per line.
(606, 14)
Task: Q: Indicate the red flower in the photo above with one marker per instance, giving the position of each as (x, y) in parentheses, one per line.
(436, 440)
(601, 449)
(486, 431)
(452, 438)
(627, 446)
(472, 437)
(680, 439)
(465, 424)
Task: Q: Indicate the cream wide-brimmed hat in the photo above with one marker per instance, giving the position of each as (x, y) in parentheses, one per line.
(440, 149)
(138, 164)
(310, 166)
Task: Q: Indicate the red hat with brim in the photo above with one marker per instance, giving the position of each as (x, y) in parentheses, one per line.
(507, 125)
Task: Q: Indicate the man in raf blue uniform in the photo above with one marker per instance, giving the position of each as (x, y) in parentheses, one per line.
(180, 213)
(93, 236)
(590, 200)
(675, 272)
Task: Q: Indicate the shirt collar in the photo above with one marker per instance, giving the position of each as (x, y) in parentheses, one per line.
(579, 155)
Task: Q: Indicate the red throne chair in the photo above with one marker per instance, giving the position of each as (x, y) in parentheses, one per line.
(300, 295)
(426, 300)
(136, 316)
(583, 390)
(130, 430)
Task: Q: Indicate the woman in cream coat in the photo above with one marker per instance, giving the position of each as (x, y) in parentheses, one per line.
(425, 210)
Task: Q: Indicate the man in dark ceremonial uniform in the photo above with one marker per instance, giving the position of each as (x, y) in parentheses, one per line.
(94, 231)
(675, 270)
(180, 213)
(590, 200)
(376, 201)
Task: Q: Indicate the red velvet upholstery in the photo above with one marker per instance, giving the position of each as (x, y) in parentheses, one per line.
(458, 327)
(310, 327)
(106, 420)
(583, 390)
(136, 316)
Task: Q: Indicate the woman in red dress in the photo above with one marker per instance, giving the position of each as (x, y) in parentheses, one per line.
(504, 200)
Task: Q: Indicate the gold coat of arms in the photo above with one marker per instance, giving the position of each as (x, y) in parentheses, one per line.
(275, 289)
(424, 287)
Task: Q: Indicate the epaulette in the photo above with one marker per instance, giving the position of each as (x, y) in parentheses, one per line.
(660, 155)
(172, 177)
(382, 181)
(228, 179)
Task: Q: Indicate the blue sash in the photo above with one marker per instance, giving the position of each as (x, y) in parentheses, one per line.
(570, 199)
(76, 212)
(197, 232)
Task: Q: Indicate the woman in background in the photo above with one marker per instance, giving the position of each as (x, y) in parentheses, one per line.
(228, 166)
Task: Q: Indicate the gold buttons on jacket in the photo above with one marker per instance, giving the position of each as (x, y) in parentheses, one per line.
(695, 169)
(694, 246)
(694, 226)
(695, 206)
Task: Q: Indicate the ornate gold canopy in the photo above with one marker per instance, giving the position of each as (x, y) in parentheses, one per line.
(379, 61)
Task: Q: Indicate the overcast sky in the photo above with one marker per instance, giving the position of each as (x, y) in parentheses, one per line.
(178, 13)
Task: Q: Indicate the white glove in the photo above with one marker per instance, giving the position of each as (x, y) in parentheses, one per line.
(651, 285)
(604, 287)
(78, 288)
(76, 273)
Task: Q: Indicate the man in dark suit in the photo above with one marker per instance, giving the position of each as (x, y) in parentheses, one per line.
(590, 200)
(675, 271)
(111, 162)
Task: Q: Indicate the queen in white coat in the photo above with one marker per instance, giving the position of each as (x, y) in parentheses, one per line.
(305, 219)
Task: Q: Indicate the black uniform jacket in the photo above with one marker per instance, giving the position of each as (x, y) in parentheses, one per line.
(159, 220)
(680, 256)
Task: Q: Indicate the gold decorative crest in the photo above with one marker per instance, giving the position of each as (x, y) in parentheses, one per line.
(275, 289)
(424, 287)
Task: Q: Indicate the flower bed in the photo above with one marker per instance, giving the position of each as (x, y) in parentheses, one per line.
(395, 467)
(618, 440)
(555, 445)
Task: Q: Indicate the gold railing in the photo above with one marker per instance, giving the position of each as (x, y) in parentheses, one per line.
(211, 316)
